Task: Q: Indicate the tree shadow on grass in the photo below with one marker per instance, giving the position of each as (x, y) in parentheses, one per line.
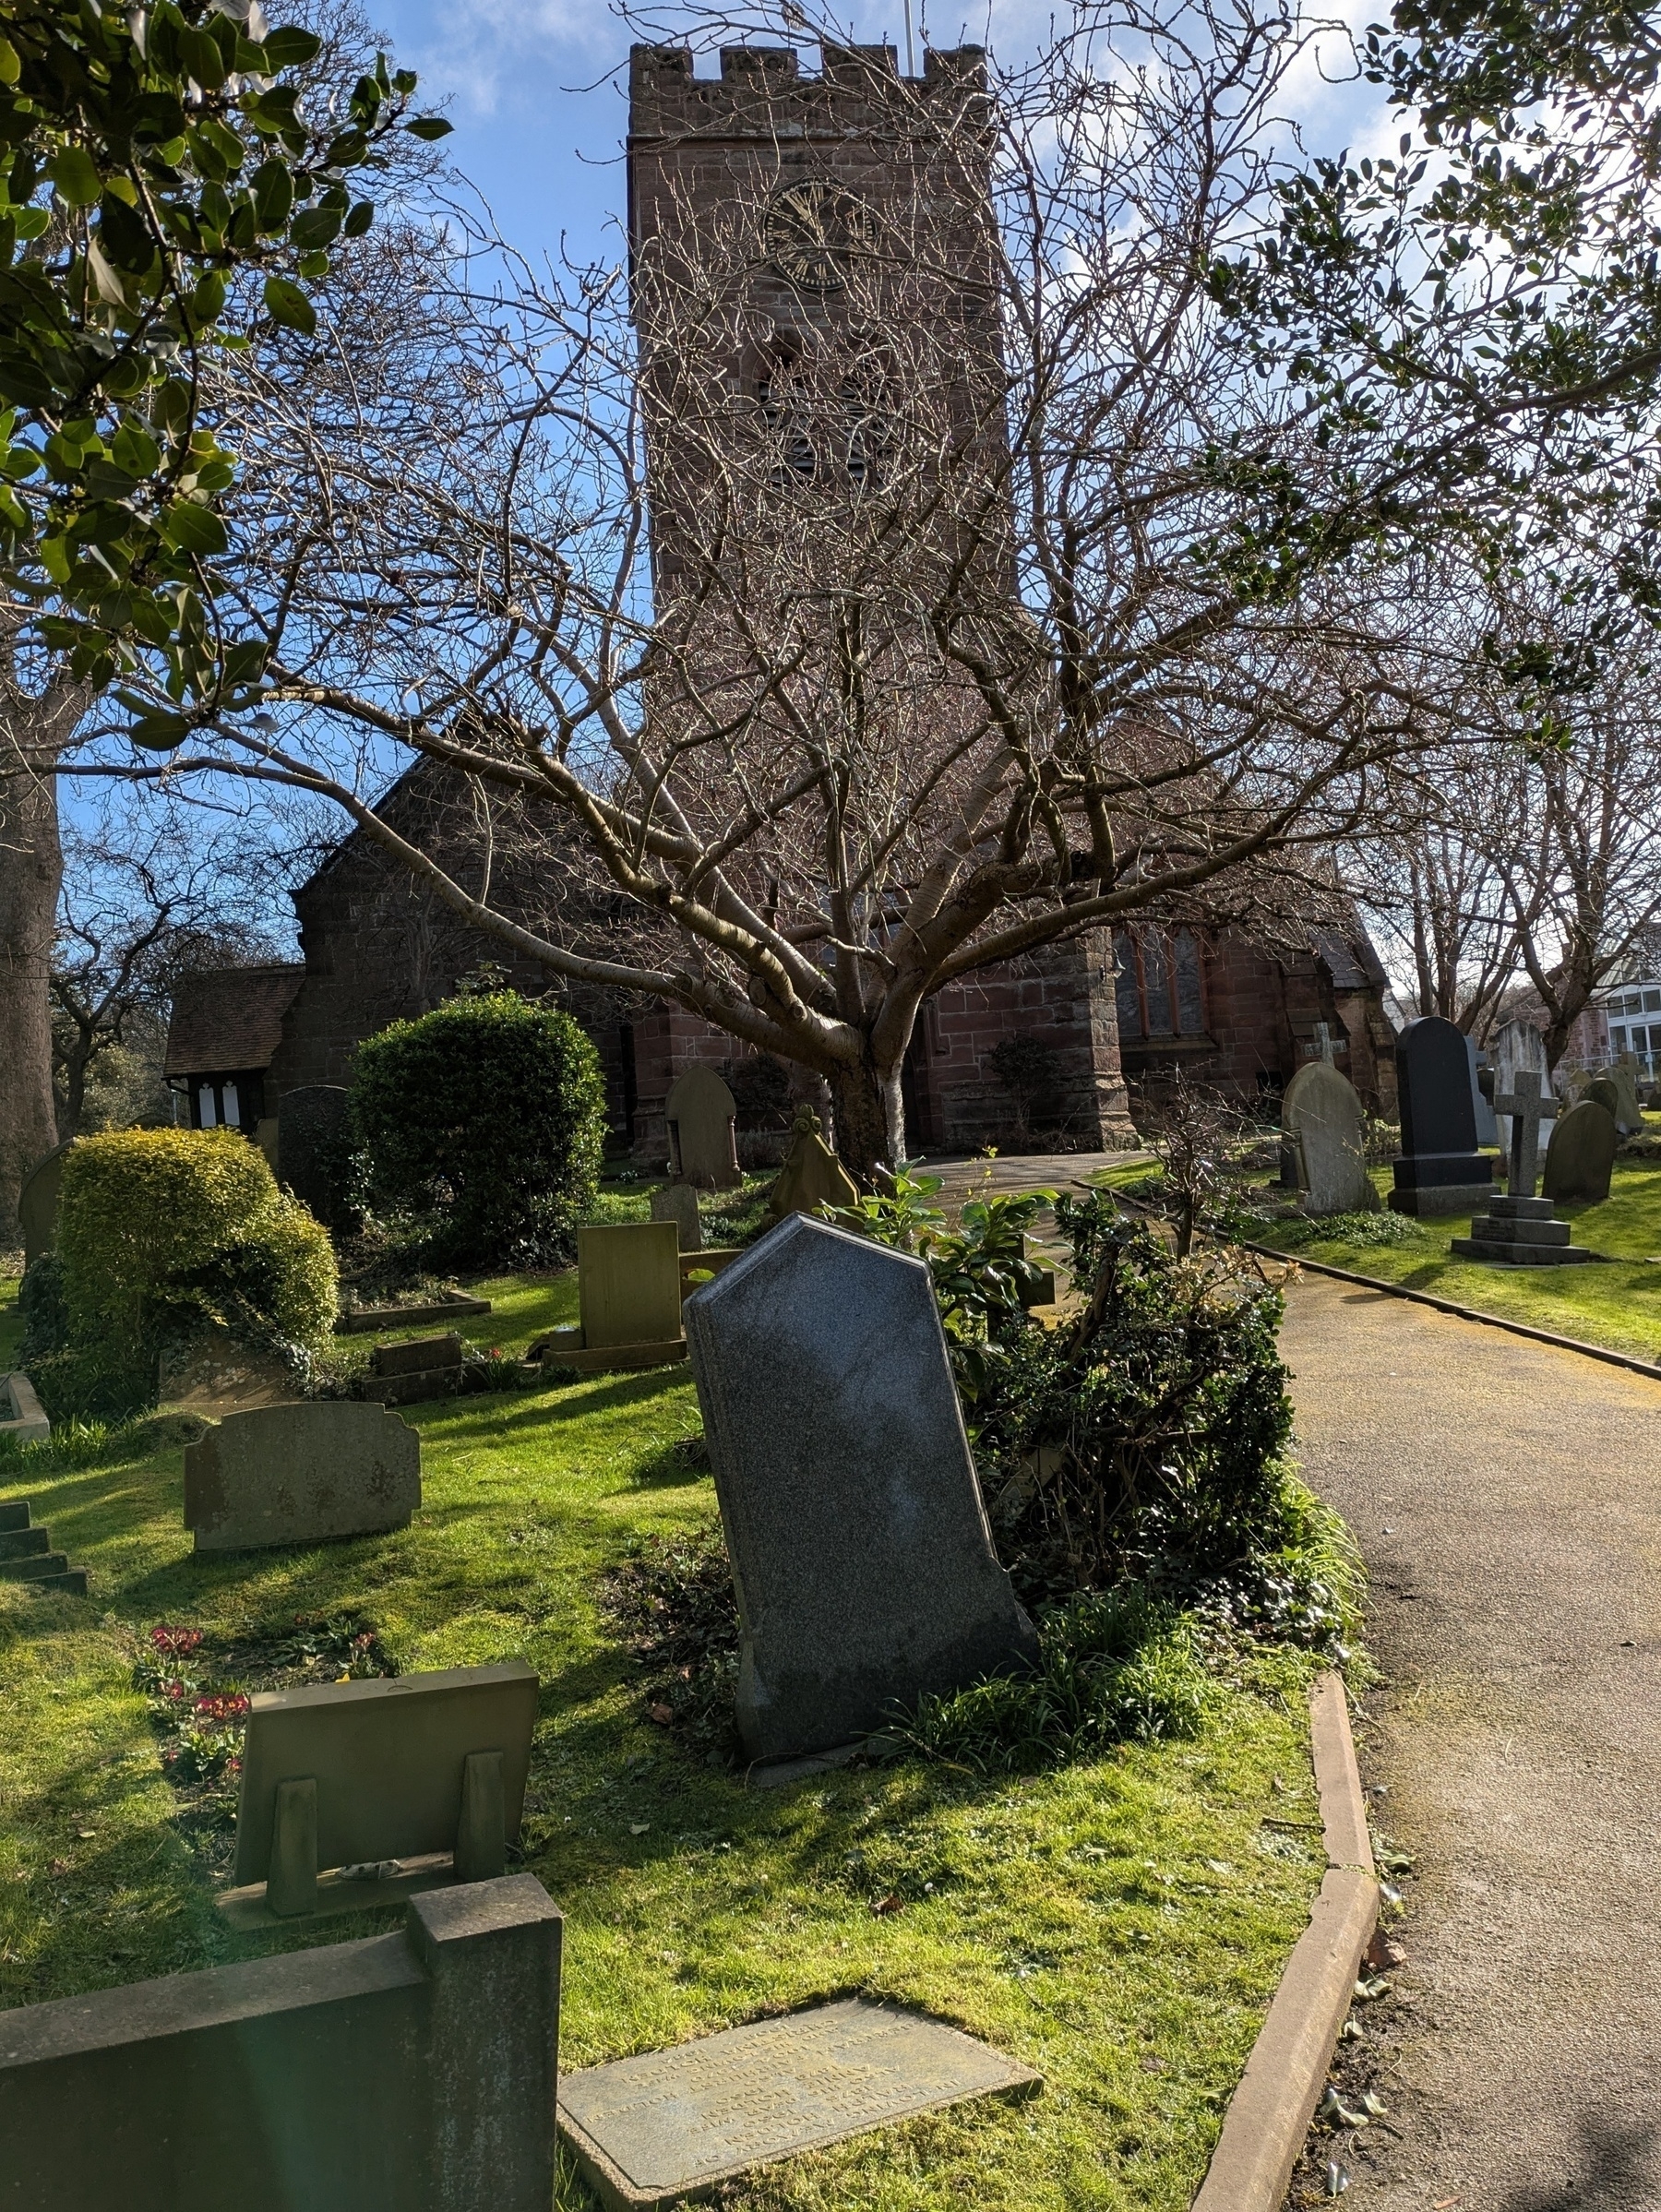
(1617, 2172)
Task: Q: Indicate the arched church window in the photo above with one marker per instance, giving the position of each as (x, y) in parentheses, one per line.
(1185, 967)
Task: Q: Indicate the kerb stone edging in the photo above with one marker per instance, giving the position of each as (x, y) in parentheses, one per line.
(1270, 2113)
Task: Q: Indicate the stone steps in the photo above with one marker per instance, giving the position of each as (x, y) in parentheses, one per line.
(27, 1555)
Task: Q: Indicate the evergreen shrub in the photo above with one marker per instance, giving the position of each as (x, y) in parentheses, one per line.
(482, 1125)
(159, 1231)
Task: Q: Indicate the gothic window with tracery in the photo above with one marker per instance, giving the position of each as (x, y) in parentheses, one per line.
(1158, 983)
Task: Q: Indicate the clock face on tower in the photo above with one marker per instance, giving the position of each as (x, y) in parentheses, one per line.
(813, 227)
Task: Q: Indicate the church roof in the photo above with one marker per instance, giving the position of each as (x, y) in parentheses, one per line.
(228, 1021)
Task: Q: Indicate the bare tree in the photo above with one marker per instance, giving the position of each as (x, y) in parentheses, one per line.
(884, 576)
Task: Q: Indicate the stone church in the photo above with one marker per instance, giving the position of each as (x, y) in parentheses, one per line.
(1113, 1013)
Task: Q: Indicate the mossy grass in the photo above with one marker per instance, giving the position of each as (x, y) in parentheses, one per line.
(1119, 1923)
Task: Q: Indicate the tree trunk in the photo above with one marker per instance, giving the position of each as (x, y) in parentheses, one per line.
(31, 868)
(870, 1120)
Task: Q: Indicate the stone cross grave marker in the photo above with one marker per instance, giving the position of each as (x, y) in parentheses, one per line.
(1440, 1169)
(1323, 1042)
(649, 2130)
(1325, 1124)
(303, 1473)
(678, 1202)
(702, 1119)
(863, 1560)
(338, 1778)
(1526, 1109)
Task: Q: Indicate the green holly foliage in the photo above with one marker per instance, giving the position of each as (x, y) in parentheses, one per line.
(168, 184)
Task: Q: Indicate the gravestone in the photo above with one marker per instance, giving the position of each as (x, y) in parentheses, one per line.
(1521, 1230)
(678, 1202)
(1487, 1131)
(1290, 1167)
(303, 1473)
(860, 1548)
(628, 1283)
(422, 1367)
(1524, 1107)
(1324, 1123)
(702, 1118)
(1629, 1116)
(338, 1778)
(648, 2130)
(1602, 1092)
(1518, 1049)
(1440, 1170)
(37, 1203)
(1581, 1156)
(311, 1138)
(412, 2069)
(812, 1175)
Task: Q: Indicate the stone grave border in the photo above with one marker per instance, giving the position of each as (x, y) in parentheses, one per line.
(359, 1320)
(1467, 1313)
(1270, 2112)
(26, 1421)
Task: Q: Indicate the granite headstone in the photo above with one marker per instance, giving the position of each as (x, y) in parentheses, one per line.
(302, 1473)
(702, 1119)
(1325, 1123)
(1580, 1157)
(1440, 1170)
(860, 1547)
(678, 1202)
(311, 1138)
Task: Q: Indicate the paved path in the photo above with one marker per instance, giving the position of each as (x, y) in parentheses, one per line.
(1508, 1500)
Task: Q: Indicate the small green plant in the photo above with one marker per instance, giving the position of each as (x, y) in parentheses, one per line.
(1381, 1228)
(481, 1127)
(1115, 1666)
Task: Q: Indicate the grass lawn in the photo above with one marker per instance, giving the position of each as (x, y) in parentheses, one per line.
(1616, 1305)
(1120, 1926)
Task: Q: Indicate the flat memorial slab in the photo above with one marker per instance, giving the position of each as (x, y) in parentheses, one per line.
(673, 2125)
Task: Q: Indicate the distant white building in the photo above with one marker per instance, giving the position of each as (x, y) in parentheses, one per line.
(1630, 1015)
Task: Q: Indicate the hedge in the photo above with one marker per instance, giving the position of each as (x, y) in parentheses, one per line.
(482, 1125)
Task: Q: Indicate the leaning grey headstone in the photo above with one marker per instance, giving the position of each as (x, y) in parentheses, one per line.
(1518, 1049)
(311, 1138)
(1580, 1157)
(1325, 1124)
(678, 1202)
(1629, 1115)
(1488, 1129)
(860, 1548)
(301, 1474)
(648, 2130)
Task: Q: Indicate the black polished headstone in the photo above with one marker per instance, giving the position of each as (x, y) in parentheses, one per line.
(1440, 1170)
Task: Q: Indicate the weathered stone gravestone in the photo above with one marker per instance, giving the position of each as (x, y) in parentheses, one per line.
(1325, 1129)
(1518, 1049)
(311, 1134)
(37, 1203)
(812, 1175)
(702, 1119)
(651, 2130)
(424, 1367)
(1601, 1090)
(303, 1473)
(1440, 1170)
(678, 1202)
(426, 1769)
(628, 1283)
(1520, 1230)
(1488, 1131)
(1579, 1159)
(1629, 1114)
(412, 2071)
(860, 1548)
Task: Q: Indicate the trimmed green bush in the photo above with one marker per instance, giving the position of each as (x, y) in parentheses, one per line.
(159, 1231)
(482, 1125)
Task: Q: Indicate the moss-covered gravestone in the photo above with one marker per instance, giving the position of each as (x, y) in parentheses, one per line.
(1325, 1125)
(1581, 1156)
(702, 1118)
(304, 1473)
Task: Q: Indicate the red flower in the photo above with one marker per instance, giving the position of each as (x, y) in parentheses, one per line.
(174, 1643)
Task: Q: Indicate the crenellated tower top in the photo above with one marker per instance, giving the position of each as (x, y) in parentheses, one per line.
(859, 93)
